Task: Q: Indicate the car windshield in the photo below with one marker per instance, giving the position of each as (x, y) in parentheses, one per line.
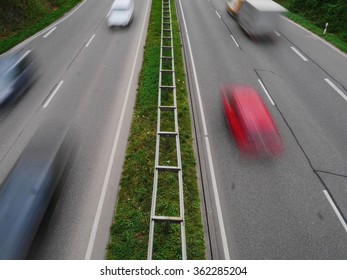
(121, 9)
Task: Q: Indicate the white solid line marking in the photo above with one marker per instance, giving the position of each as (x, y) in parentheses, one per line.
(278, 34)
(336, 89)
(210, 161)
(90, 40)
(218, 14)
(195, 76)
(234, 40)
(299, 54)
(267, 94)
(337, 212)
(53, 93)
(108, 14)
(217, 201)
(74, 11)
(49, 32)
(114, 148)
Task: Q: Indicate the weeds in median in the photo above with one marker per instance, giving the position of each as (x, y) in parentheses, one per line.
(130, 229)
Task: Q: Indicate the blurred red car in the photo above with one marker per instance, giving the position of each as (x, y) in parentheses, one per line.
(250, 122)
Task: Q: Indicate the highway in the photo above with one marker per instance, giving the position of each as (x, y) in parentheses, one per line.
(293, 207)
(88, 84)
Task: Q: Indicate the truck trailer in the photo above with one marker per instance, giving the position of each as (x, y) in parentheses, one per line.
(258, 18)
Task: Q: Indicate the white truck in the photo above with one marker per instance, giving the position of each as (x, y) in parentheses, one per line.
(258, 18)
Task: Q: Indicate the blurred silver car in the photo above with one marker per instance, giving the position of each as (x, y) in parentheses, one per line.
(121, 13)
(17, 73)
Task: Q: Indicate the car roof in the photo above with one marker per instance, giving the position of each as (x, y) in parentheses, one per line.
(121, 4)
(266, 6)
(248, 101)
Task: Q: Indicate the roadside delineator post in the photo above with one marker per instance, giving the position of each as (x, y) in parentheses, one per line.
(325, 29)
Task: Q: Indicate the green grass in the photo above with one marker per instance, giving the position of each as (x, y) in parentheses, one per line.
(130, 229)
(334, 39)
(18, 30)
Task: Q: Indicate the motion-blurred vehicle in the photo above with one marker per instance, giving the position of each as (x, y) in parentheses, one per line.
(250, 122)
(259, 18)
(29, 187)
(121, 13)
(17, 73)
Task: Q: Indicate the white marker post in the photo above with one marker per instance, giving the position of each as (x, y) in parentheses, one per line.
(325, 29)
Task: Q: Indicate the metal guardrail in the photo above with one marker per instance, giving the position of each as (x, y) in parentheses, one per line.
(167, 86)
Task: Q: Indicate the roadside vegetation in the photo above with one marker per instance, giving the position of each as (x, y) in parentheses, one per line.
(21, 19)
(130, 229)
(314, 14)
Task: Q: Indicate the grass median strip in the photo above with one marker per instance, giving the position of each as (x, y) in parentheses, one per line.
(130, 229)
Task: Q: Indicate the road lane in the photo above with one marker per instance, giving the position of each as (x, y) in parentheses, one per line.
(103, 70)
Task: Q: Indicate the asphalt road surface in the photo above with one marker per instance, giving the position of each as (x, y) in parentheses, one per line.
(293, 207)
(88, 83)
